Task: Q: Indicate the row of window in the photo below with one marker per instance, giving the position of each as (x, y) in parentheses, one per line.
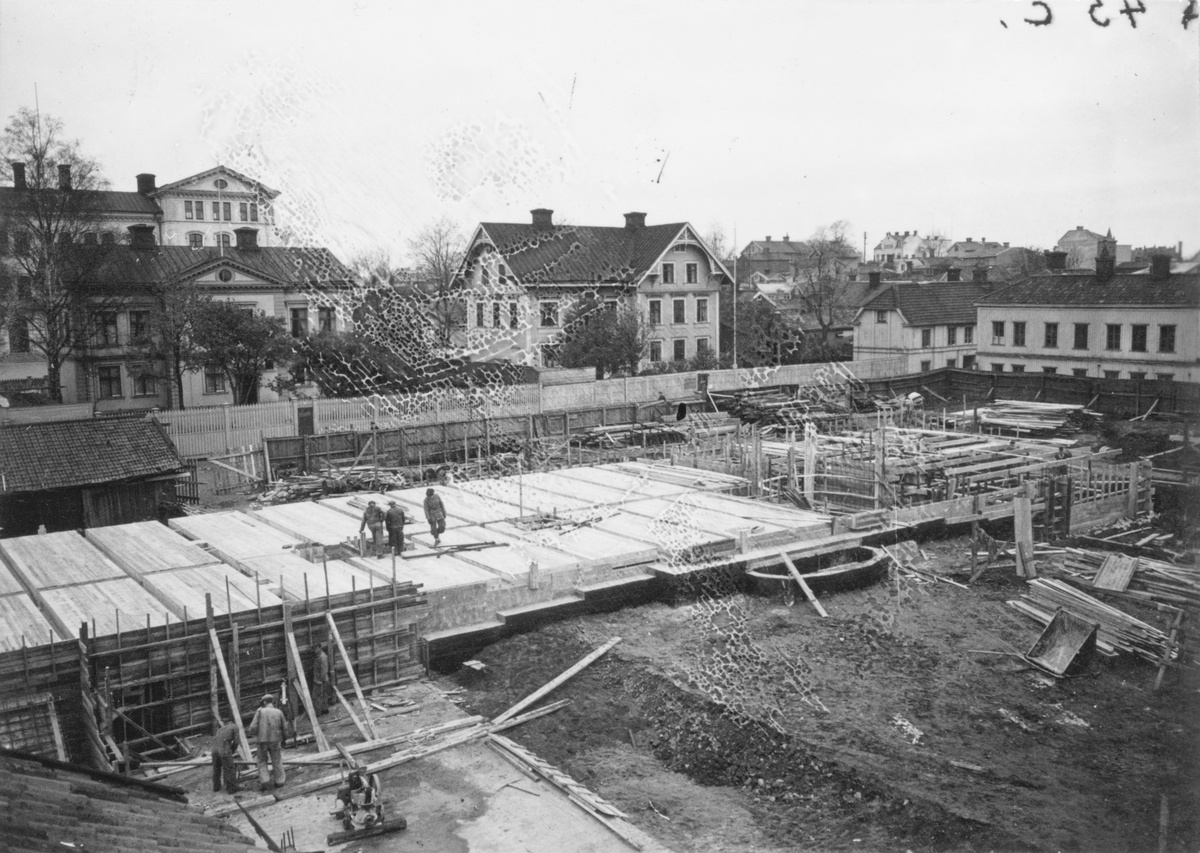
(499, 315)
(1113, 336)
(691, 273)
(196, 240)
(106, 329)
(221, 210)
(968, 363)
(998, 367)
(20, 240)
(678, 349)
(299, 317)
(679, 311)
(548, 312)
(110, 386)
(968, 336)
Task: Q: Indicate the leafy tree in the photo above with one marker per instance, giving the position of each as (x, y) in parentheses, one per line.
(241, 344)
(608, 338)
(350, 364)
(821, 283)
(437, 253)
(51, 226)
(173, 333)
(764, 337)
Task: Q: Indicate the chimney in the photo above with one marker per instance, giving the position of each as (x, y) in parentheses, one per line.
(1160, 267)
(543, 218)
(970, 239)
(1106, 261)
(19, 176)
(145, 183)
(634, 221)
(141, 236)
(1078, 227)
(786, 238)
(873, 278)
(64, 176)
(768, 238)
(954, 274)
(1056, 261)
(1006, 245)
(979, 275)
(247, 239)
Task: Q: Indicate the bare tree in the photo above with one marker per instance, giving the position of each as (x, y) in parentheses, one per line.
(717, 241)
(178, 307)
(50, 219)
(821, 280)
(437, 253)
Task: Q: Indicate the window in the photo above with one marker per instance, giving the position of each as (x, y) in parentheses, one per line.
(952, 362)
(214, 381)
(668, 273)
(610, 305)
(107, 238)
(1051, 339)
(968, 361)
(324, 319)
(678, 311)
(89, 238)
(1049, 370)
(968, 337)
(998, 333)
(221, 183)
(656, 350)
(106, 329)
(1081, 336)
(299, 322)
(881, 316)
(702, 345)
(196, 240)
(926, 366)
(187, 210)
(1137, 341)
(225, 210)
(145, 385)
(691, 273)
(18, 336)
(479, 314)
(1137, 374)
(1112, 374)
(243, 211)
(997, 368)
(485, 275)
(1112, 336)
(3, 242)
(497, 315)
(702, 310)
(679, 247)
(1079, 371)
(951, 336)
(110, 382)
(1019, 334)
(216, 211)
(680, 353)
(225, 275)
(199, 210)
(223, 241)
(1165, 377)
(1018, 368)
(512, 315)
(1166, 339)
(549, 311)
(926, 339)
(655, 312)
(139, 326)
(501, 272)
(253, 212)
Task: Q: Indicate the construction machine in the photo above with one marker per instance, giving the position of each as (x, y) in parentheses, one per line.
(360, 804)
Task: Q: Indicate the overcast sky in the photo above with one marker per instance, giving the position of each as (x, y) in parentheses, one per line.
(769, 117)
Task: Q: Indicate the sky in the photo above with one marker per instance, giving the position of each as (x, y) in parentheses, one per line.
(763, 118)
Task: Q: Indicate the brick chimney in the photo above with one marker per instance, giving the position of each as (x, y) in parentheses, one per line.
(979, 275)
(954, 274)
(1160, 267)
(634, 221)
(247, 239)
(145, 183)
(19, 176)
(543, 218)
(64, 176)
(141, 237)
(874, 278)
(768, 240)
(1056, 261)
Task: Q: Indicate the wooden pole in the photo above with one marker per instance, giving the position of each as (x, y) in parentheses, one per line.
(799, 578)
(230, 695)
(336, 636)
(542, 691)
(213, 690)
(358, 724)
(301, 683)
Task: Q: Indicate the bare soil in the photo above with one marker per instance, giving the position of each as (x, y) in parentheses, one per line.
(728, 722)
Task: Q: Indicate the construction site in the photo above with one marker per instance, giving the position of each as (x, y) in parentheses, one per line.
(755, 620)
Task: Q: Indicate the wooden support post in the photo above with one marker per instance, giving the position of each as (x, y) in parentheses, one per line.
(542, 691)
(799, 578)
(974, 533)
(1168, 649)
(358, 724)
(230, 696)
(1023, 536)
(213, 689)
(810, 463)
(301, 682)
(336, 637)
(1131, 499)
(235, 658)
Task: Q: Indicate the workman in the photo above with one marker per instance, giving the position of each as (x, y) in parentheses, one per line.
(395, 520)
(435, 514)
(320, 686)
(267, 726)
(373, 519)
(224, 759)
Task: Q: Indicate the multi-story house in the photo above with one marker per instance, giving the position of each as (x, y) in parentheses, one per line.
(783, 262)
(931, 324)
(521, 281)
(908, 251)
(1103, 324)
(1082, 246)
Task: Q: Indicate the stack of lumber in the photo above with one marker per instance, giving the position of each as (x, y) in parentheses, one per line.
(1152, 580)
(1028, 417)
(1118, 630)
(361, 478)
(631, 434)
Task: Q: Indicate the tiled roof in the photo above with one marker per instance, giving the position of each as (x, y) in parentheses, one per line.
(580, 254)
(100, 201)
(62, 454)
(1085, 289)
(929, 303)
(286, 265)
(49, 805)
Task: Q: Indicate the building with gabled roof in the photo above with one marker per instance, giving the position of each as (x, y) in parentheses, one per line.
(931, 324)
(522, 280)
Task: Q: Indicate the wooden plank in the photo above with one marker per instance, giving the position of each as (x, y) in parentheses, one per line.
(60, 747)
(336, 636)
(147, 546)
(1023, 533)
(799, 578)
(57, 559)
(230, 695)
(1115, 573)
(302, 687)
(358, 724)
(542, 691)
(20, 620)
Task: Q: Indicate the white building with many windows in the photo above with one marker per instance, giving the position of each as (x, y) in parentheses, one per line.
(930, 323)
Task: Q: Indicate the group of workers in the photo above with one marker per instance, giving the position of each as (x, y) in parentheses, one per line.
(376, 520)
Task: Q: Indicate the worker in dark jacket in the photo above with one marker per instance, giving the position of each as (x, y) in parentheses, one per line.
(435, 514)
(373, 519)
(267, 726)
(224, 759)
(395, 520)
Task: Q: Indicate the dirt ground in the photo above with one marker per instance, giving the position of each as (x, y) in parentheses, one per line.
(728, 722)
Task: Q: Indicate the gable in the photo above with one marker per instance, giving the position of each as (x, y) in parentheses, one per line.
(235, 183)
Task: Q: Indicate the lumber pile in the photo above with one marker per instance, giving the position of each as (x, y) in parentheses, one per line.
(1153, 581)
(1030, 418)
(337, 481)
(1118, 630)
(630, 434)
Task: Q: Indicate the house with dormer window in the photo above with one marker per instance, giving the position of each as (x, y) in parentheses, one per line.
(521, 281)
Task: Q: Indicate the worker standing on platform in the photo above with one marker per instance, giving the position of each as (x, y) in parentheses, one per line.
(395, 519)
(435, 514)
(224, 759)
(373, 519)
(267, 726)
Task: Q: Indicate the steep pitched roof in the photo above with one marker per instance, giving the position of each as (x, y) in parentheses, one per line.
(929, 303)
(50, 805)
(98, 201)
(1085, 289)
(286, 266)
(581, 254)
(63, 454)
